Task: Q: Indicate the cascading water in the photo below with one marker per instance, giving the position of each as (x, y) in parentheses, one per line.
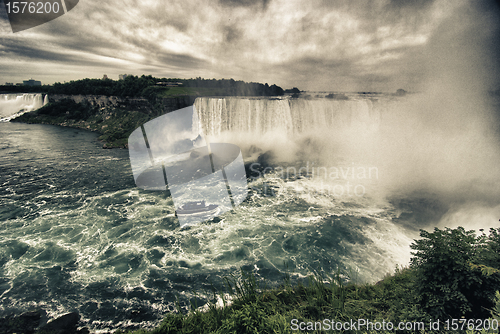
(293, 129)
(13, 105)
(286, 116)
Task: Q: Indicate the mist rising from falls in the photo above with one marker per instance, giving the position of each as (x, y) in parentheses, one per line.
(12, 105)
(435, 144)
(291, 128)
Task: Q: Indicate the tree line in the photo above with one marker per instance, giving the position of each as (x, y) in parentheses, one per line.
(134, 86)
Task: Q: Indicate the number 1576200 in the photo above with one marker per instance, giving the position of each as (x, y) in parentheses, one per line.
(32, 7)
(472, 324)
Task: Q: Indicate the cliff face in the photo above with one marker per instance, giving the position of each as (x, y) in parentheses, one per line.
(111, 116)
(178, 102)
(102, 101)
(94, 100)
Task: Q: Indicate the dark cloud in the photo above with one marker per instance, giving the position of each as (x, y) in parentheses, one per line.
(489, 10)
(262, 4)
(162, 15)
(19, 50)
(4, 20)
(409, 4)
(67, 36)
(406, 16)
(182, 61)
(464, 49)
(488, 6)
(231, 34)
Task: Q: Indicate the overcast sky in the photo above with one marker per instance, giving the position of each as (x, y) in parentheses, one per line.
(345, 45)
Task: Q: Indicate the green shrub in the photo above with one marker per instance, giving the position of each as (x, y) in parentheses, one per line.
(447, 285)
(66, 108)
(152, 92)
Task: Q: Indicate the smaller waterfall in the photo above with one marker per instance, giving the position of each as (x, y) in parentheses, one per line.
(46, 99)
(13, 105)
(37, 102)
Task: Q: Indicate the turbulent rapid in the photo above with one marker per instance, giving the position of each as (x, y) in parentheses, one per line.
(333, 185)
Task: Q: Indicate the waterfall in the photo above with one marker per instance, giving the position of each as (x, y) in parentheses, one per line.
(37, 102)
(286, 116)
(13, 105)
(46, 99)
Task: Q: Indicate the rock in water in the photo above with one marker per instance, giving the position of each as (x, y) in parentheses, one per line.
(24, 323)
(400, 92)
(66, 324)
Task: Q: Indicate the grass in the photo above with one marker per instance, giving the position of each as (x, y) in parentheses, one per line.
(256, 309)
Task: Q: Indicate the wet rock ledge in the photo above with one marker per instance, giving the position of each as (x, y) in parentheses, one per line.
(35, 322)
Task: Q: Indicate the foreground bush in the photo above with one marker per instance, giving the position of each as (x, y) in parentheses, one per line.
(452, 277)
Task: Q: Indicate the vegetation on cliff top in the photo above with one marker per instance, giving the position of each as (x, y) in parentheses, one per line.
(147, 86)
(454, 274)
